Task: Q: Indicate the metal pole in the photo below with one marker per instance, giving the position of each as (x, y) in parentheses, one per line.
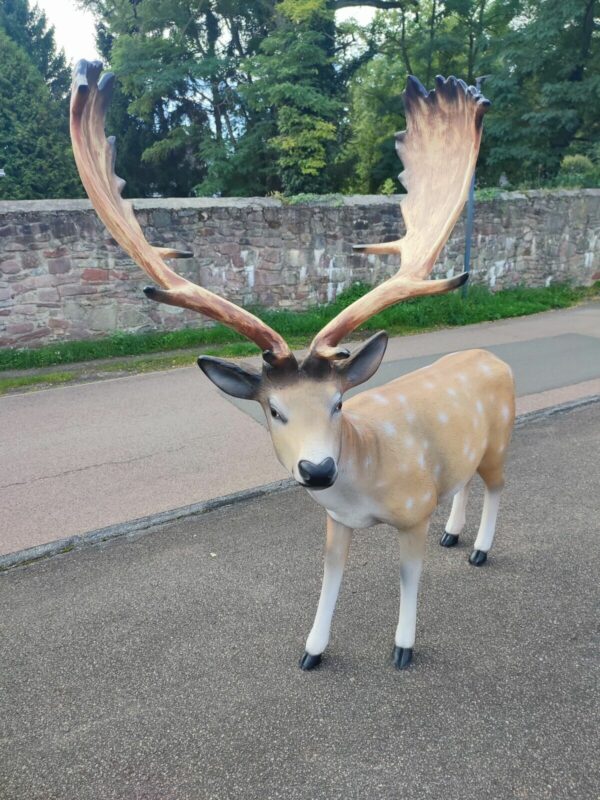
(469, 231)
(471, 208)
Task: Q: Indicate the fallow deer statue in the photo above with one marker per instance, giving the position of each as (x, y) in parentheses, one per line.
(388, 455)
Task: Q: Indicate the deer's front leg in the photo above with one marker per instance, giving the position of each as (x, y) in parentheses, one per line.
(412, 546)
(336, 552)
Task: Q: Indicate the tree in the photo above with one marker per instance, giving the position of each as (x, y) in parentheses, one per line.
(295, 86)
(33, 151)
(234, 98)
(209, 75)
(546, 90)
(181, 63)
(464, 38)
(174, 172)
(28, 28)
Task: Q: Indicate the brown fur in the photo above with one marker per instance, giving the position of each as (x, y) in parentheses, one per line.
(409, 443)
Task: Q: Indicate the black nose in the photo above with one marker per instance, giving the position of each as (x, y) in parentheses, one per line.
(318, 476)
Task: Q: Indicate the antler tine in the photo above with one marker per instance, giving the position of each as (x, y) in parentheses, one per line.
(95, 159)
(439, 151)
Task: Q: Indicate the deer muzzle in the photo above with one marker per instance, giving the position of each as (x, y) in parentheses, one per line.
(318, 476)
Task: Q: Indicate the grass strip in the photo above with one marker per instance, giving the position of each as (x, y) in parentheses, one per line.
(26, 381)
(298, 327)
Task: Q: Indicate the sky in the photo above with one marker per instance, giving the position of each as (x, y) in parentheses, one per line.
(75, 27)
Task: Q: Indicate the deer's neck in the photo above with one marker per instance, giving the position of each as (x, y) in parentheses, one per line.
(360, 447)
(351, 499)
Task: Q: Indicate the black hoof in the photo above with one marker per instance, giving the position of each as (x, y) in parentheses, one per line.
(309, 662)
(477, 558)
(402, 657)
(449, 539)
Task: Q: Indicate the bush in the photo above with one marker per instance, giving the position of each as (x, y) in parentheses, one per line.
(576, 165)
(578, 172)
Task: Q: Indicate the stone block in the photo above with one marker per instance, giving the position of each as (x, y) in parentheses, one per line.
(20, 328)
(94, 275)
(132, 317)
(60, 265)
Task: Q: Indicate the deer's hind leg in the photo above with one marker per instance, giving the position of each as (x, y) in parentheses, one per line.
(457, 518)
(491, 470)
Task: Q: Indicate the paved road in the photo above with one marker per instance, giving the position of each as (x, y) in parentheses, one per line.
(78, 458)
(164, 667)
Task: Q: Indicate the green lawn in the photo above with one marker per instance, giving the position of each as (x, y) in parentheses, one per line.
(298, 327)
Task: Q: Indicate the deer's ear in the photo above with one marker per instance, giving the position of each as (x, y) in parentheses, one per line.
(231, 378)
(365, 362)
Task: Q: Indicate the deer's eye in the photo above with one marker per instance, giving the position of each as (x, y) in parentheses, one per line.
(338, 406)
(276, 415)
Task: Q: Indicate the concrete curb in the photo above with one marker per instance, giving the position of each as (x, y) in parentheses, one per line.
(560, 408)
(78, 541)
(66, 545)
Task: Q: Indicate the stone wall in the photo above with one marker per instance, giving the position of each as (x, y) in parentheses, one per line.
(63, 277)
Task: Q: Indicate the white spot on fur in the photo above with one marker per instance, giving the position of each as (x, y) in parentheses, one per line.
(443, 417)
(426, 497)
(479, 407)
(402, 399)
(429, 385)
(410, 416)
(451, 391)
(472, 455)
(409, 503)
(389, 428)
(421, 459)
(462, 377)
(379, 398)
(409, 440)
(501, 448)
(505, 412)
(485, 368)
(466, 448)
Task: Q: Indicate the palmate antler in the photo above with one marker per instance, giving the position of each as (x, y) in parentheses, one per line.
(95, 159)
(439, 151)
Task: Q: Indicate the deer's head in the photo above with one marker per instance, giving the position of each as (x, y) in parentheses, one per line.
(303, 401)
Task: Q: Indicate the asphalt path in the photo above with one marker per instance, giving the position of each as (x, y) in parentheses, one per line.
(165, 666)
(79, 458)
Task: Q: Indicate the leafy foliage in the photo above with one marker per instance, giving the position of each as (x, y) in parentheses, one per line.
(541, 60)
(295, 86)
(181, 66)
(28, 28)
(34, 148)
(251, 97)
(546, 86)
